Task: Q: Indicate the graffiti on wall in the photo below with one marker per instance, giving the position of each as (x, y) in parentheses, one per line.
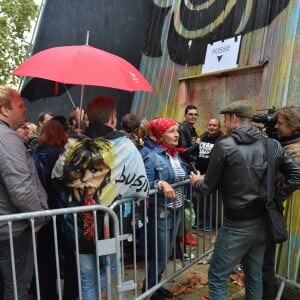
(196, 23)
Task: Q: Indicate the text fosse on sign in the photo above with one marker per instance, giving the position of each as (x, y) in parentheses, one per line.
(222, 55)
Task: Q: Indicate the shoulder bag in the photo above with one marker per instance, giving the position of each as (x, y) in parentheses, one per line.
(276, 226)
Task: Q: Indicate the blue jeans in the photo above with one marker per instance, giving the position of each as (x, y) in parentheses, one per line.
(236, 245)
(88, 275)
(167, 227)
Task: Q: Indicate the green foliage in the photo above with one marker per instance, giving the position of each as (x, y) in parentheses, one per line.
(16, 19)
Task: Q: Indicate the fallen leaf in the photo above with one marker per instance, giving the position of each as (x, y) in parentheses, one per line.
(188, 290)
(203, 261)
(233, 276)
(140, 284)
(238, 279)
(193, 280)
(178, 290)
(203, 278)
(199, 286)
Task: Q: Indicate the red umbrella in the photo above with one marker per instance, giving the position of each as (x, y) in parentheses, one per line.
(84, 65)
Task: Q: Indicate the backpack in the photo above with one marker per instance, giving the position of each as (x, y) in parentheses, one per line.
(44, 161)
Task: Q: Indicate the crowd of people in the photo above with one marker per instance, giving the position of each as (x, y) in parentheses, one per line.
(85, 160)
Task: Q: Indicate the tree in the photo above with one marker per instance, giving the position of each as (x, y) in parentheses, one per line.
(16, 18)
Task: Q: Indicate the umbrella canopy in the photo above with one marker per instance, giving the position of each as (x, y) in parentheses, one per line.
(37, 88)
(84, 65)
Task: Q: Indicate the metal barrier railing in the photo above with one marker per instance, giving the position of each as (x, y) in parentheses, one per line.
(53, 214)
(288, 253)
(112, 246)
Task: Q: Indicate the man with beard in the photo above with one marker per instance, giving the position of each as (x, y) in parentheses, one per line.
(188, 137)
(288, 131)
(189, 140)
(208, 139)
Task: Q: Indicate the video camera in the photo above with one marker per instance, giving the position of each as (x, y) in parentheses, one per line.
(268, 120)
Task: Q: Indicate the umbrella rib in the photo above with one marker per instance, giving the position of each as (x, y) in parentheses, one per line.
(74, 106)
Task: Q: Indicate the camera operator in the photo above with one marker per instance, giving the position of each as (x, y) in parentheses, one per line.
(288, 134)
(288, 130)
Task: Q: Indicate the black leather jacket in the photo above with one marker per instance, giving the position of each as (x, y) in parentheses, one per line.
(187, 140)
(237, 169)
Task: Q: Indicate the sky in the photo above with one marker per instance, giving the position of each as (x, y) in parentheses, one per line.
(29, 36)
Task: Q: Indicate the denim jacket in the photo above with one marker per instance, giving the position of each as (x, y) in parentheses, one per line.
(158, 167)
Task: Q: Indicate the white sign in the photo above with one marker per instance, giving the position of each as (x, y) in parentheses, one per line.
(222, 55)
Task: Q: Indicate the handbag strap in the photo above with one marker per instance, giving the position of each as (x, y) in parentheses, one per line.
(270, 169)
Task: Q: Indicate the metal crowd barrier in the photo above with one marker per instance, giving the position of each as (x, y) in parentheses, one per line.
(288, 253)
(124, 284)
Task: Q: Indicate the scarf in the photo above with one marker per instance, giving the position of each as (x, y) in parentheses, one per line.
(158, 127)
(88, 219)
(172, 150)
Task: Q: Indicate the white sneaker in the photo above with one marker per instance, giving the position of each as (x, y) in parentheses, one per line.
(187, 257)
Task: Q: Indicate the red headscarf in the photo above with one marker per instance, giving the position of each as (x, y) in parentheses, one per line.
(159, 126)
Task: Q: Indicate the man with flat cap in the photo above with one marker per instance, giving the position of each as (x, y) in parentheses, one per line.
(237, 169)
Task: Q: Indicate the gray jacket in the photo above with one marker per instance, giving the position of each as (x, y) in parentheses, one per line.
(20, 187)
(238, 167)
